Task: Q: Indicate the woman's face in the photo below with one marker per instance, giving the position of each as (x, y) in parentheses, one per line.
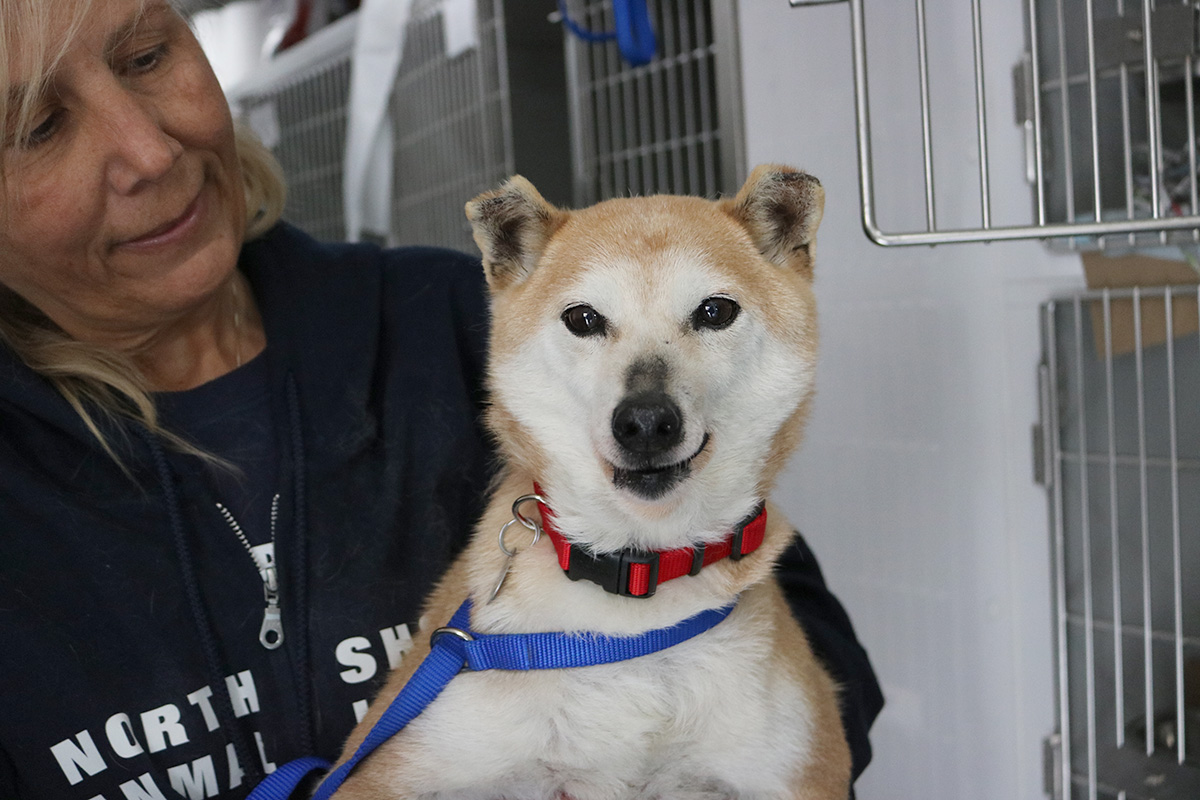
(123, 208)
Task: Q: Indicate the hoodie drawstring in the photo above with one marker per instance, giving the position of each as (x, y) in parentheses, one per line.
(300, 654)
(204, 630)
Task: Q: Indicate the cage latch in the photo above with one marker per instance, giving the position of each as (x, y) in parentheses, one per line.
(1052, 783)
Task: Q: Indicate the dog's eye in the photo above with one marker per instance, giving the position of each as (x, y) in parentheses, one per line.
(583, 321)
(715, 313)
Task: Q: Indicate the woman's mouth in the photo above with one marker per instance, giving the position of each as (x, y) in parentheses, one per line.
(171, 231)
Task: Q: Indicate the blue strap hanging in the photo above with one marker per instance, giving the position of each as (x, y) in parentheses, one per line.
(280, 784)
(634, 33)
(455, 648)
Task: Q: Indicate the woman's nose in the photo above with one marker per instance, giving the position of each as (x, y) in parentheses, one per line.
(140, 150)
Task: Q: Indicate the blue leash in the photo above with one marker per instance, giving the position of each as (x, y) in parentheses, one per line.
(634, 34)
(454, 648)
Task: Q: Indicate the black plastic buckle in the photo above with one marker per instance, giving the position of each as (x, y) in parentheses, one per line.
(611, 570)
(735, 553)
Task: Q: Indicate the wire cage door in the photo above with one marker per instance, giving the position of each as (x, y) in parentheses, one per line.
(673, 126)
(297, 106)
(1121, 390)
(461, 123)
(1104, 97)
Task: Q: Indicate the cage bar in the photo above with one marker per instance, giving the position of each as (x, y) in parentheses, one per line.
(985, 203)
(1114, 540)
(1085, 524)
(1093, 110)
(1034, 99)
(1176, 577)
(926, 129)
(1147, 608)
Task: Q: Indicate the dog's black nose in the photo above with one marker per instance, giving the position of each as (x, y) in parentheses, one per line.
(647, 423)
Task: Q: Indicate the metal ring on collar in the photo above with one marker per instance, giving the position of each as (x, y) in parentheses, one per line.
(528, 522)
(531, 524)
(459, 632)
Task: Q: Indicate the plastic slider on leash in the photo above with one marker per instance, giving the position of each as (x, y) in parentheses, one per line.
(455, 648)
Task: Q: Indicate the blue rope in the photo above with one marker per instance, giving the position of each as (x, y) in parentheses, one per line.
(634, 33)
(580, 31)
(450, 654)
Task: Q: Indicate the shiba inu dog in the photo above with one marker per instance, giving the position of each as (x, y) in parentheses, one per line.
(651, 367)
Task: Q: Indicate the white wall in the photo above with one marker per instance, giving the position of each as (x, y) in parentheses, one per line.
(915, 485)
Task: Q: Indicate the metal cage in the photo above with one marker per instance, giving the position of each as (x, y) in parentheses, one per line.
(1121, 382)
(297, 105)
(452, 133)
(1104, 94)
(461, 123)
(673, 126)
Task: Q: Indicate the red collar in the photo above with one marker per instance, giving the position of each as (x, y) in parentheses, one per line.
(637, 573)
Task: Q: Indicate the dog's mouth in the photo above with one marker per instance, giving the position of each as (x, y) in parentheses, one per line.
(651, 483)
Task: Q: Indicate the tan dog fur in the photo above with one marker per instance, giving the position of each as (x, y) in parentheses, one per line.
(653, 726)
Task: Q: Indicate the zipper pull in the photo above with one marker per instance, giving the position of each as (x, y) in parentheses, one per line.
(271, 632)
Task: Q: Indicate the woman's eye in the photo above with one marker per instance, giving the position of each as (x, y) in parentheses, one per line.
(146, 60)
(584, 320)
(715, 313)
(44, 130)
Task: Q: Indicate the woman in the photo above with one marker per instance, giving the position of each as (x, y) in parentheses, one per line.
(232, 460)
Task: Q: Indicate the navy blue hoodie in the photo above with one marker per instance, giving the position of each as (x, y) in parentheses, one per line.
(130, 661)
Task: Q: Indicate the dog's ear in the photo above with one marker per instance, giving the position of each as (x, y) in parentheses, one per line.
(511, 226)
(781, 208)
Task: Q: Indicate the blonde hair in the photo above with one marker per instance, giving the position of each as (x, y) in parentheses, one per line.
(101, 384)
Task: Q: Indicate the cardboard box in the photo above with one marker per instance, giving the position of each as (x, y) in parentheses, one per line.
(1123, 272)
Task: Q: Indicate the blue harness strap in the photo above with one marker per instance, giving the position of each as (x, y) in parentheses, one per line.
(455, 648)
(280, 784)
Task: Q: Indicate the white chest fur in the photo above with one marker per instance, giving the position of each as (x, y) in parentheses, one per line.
(709, 718)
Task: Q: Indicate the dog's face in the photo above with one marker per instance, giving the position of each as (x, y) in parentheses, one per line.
(652, 358)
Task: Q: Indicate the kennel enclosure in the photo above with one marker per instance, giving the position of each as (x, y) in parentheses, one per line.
(570, 115)
(463, 121)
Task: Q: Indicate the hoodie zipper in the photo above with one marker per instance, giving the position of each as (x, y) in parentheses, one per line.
(270, 634)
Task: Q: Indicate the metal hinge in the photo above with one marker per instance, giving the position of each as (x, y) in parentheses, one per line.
(1052, 782)
(1022, 76)
(1039, 455)
(1042, 472)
